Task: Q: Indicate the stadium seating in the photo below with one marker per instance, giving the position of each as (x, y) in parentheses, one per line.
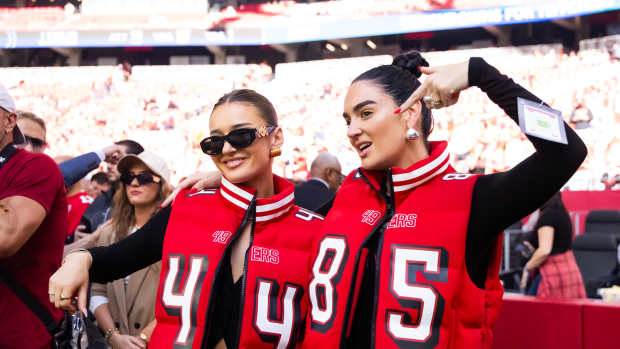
(603, 221)
(597, 258)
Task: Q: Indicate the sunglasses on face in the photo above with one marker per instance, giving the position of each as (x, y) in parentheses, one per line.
(35, 142)
(143, 178)
(238, 139)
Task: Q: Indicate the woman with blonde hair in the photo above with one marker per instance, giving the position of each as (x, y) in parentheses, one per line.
(125, 308)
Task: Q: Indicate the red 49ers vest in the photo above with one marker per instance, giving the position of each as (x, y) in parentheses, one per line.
(201, 229)
(424, 297)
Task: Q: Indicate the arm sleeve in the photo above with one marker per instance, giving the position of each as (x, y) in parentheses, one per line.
(75, 169)
(98, 296)
(501, 199)
(96, 301)
(548, 218)
(39, 180)
(137, 251)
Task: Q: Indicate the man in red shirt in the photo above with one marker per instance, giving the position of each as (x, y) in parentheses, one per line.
(33, 226)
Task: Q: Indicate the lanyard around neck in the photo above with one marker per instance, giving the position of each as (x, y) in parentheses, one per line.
(7, 153)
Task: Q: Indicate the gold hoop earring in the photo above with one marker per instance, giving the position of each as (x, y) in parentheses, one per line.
(275, 152)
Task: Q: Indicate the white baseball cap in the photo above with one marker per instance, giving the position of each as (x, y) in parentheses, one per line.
(152, 161)
(7, 103)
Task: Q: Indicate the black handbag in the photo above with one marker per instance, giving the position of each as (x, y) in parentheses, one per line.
(62, 333)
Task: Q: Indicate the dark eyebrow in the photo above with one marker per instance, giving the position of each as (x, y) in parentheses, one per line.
(363, 104)
(234, 127)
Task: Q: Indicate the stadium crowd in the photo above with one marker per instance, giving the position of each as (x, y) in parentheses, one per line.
(166, 108)
(101, 17)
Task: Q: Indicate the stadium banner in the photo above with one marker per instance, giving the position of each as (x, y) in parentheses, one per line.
(283, 30)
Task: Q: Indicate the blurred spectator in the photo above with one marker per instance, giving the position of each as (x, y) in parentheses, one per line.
(317, 193)
(33, 226)
(98, 212)
(127, 306)
(581, 117)
(553, 263)
(78, 201)
(77, 168)
(77, 204)
(611, 182)
(33, 128)
(99, 183)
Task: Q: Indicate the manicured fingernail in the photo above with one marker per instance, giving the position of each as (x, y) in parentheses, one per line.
(397, 111)
(192, 191)
(160, 206)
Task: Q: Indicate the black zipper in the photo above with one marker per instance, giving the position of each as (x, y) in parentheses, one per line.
(373, 323)
(244, 277)
(203, 344)
(379, 228)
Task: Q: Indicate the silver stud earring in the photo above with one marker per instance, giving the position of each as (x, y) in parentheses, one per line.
(412, 134)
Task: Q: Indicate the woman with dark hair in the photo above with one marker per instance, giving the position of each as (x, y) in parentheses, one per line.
(410, 254)
(557, 273)
(234, 260)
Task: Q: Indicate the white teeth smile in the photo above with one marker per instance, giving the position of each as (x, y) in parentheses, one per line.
(234, 163)
(364, 146)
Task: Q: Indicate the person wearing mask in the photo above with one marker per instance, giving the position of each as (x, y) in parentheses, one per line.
(125, 308)
(553, 262)
(317, 193)
(33, 226)
(409, 253)
(234, 260)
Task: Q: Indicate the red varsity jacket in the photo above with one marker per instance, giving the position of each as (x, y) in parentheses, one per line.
(201, 229)
(423, 295)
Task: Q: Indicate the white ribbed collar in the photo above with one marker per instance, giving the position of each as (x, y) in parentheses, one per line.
(423, 170)
(266, 208)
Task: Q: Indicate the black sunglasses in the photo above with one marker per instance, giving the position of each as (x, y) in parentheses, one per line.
(35, 142)
(239, 139)
(143, 178)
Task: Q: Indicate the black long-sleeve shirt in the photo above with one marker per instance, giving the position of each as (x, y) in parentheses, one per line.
(498, 200)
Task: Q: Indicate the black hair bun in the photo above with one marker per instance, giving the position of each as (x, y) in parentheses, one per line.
(410, 61)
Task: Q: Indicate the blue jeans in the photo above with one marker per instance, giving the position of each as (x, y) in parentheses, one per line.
(533, 289)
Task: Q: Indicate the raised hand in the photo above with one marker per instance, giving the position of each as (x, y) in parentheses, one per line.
(113, 153)
(441, 88)
(197, 181)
